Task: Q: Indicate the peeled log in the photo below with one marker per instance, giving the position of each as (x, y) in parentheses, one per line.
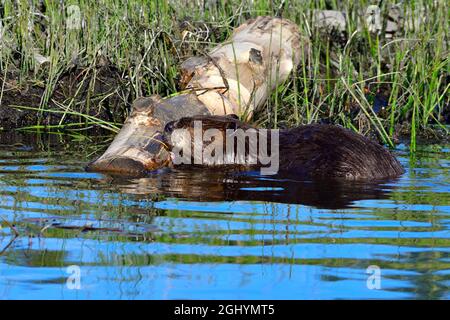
(238, 76)
(234, 78)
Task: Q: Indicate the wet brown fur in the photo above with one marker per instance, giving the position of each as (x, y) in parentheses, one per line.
(314, 151)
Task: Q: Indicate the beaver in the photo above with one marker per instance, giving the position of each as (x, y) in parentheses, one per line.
(312, 151)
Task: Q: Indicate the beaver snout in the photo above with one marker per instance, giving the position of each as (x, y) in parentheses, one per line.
(169, 127)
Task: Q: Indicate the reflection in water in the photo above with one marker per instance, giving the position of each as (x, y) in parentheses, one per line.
(211, 234)
(210, 185)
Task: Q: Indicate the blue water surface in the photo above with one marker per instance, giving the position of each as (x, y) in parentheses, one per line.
(213, 235)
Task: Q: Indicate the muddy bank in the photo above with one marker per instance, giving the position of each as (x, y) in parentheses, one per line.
(99, 91)
(105, 94)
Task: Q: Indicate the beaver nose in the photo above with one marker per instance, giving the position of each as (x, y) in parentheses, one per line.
(170, 126)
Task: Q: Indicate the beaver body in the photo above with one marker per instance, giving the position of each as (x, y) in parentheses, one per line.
(311, 151)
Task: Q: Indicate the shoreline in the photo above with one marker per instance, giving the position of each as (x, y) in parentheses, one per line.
(362, 70)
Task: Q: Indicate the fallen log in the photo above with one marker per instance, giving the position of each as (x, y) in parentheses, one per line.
(236, 77)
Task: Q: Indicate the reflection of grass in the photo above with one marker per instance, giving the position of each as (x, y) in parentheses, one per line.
(419, 262)
(146, 40)
(37, 258)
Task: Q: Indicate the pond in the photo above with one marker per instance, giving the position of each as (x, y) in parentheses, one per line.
(69, 234)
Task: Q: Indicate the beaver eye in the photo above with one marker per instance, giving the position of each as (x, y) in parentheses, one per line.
(170, 126)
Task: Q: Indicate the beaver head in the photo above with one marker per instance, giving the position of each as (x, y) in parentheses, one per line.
(202, 140)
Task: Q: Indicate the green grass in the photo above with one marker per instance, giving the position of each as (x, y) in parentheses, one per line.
(147, 39)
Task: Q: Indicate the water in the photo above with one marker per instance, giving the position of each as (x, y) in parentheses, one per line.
(200, 234)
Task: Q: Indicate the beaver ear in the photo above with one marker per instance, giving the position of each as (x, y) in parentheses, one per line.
(233, 116)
